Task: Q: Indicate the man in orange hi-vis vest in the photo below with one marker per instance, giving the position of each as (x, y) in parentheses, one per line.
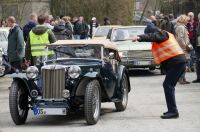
(166, 51)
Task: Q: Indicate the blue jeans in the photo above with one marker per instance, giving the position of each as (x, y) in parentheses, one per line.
(193, 58)
(77, 37)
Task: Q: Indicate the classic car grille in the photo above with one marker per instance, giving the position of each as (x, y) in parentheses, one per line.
(53, 82)
(140, 54)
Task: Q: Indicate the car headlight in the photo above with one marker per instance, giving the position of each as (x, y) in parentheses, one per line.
(74, 71)
(32, 72)
(123, 54)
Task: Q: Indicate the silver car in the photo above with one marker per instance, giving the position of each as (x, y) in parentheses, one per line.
(133, 54)
(3, 51)
(4, 38)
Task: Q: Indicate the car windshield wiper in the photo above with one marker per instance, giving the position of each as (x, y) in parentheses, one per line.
(59, 51)
(66, 53)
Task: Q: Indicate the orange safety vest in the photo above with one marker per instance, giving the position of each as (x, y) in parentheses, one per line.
(166, 50)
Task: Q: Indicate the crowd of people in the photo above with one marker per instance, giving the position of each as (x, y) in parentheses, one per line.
(187, 33)
(185, 29)
(25, 43)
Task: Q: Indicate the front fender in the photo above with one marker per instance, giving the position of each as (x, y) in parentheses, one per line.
(22, 79)
(80, 89)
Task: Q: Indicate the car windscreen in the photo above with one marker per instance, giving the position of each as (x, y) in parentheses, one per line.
(102, 32)
(122, 34)
(78, 51)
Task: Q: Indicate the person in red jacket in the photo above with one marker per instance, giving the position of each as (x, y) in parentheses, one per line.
(166, 51)
(191, 26)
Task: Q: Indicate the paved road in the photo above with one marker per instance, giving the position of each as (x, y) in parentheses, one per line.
(146, 103)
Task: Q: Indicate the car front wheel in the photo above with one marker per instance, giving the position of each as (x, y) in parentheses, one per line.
(121, 106)
(92, 102)
(18, 103)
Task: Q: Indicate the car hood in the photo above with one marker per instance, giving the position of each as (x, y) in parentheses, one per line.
(129, 45)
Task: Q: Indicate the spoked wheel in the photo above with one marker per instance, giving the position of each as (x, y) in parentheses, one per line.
(18, 103)
(121, 106)
(92, 104)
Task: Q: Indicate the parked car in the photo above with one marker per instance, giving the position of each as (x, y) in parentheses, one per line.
(81, 74)
(102, 32)
(4, 66)
(133, 55)
(4, 38)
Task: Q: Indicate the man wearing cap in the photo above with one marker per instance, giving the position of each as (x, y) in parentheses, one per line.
(93, 26)
(166, 51)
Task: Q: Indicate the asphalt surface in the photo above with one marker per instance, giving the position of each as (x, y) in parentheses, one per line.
(146, 104)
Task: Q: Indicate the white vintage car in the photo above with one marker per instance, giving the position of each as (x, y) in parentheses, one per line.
(4, 38)
(133, 55)
(3, 50)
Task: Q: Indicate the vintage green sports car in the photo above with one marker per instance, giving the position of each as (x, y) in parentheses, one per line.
(81, 74)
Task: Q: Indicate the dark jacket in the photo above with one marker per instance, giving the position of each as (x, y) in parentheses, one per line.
(192, 33)
(92, 25)
(15, 44)
(198, 35)
(61, 33)
(27, 28)
(39, 30)
(81, 28)
(69, 29)
(159, 37)
(167, 26)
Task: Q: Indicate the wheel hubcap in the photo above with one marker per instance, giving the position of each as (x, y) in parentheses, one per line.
(95, 103)
(124, 92)
(21, 103)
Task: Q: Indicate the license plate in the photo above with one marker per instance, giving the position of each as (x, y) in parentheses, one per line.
(141, 63)
(52, 111)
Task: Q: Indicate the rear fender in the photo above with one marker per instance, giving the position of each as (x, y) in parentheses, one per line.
(121, 71)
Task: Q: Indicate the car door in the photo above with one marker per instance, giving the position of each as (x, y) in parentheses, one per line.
(109, 72)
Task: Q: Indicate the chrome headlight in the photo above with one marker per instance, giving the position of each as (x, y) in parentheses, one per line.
(32, 72)
(74, 71)
(123, 54)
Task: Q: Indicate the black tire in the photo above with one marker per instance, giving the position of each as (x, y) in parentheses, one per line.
(92, 102)
(121, 106)
(18, 103)
(152, 68)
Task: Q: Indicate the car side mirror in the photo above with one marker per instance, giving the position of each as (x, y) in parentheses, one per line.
(111, 55)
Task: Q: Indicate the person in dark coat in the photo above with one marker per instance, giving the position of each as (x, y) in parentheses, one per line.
(60, 31)
(167, 25)
(81, 29)
(29, 26)
(93, 26)
(198, 51)
(16, 48)
(68, 26)
(191, 26)
(106, 21)
(173, 61)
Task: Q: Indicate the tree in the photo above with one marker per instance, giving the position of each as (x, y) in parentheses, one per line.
(119, 11)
